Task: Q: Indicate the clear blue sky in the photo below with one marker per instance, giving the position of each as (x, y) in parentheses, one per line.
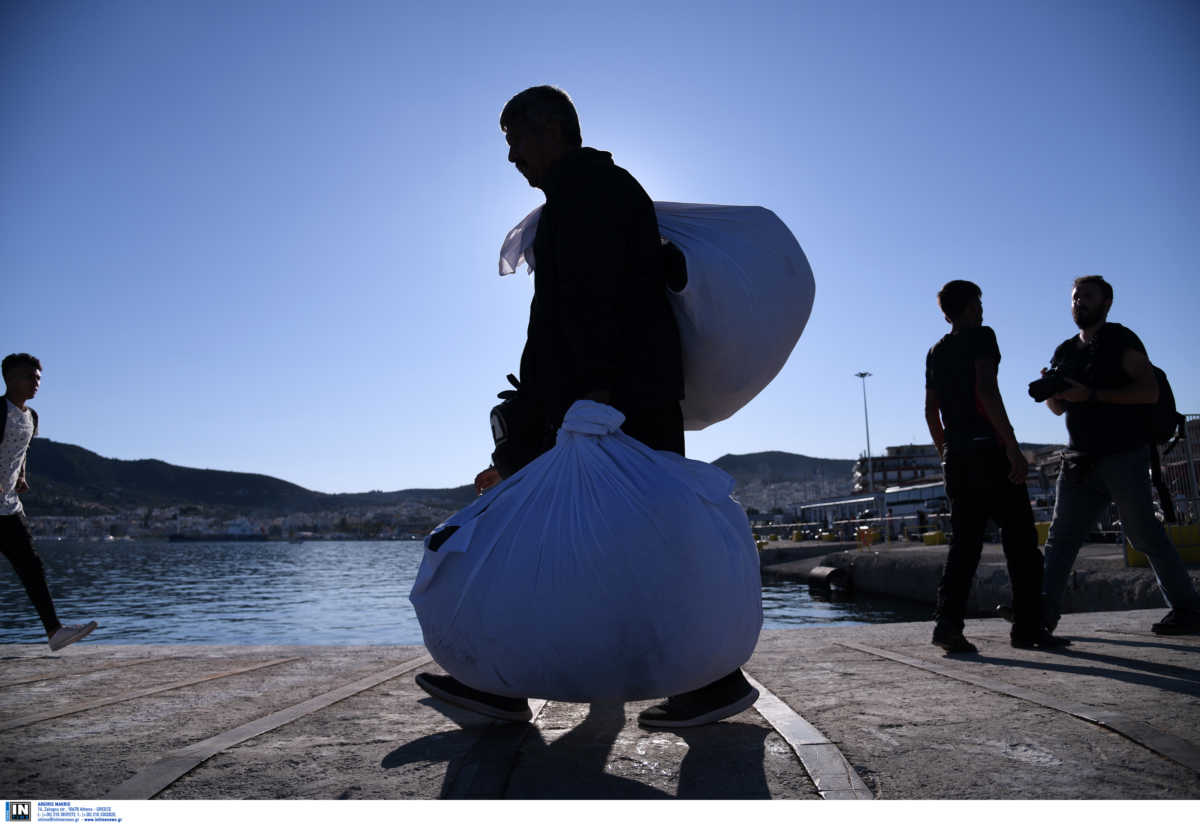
(263, 236)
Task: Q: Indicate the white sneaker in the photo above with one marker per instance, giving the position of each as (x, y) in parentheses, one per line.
(69, 634)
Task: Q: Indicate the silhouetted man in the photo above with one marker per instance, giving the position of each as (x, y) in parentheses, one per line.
(984, 473)
(22, 376)
(1112, 388)
(600, 329)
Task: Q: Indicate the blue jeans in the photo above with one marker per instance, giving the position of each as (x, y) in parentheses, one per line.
(1083, 490)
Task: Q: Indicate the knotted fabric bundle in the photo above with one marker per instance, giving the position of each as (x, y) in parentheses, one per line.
(749, 294)
(602, 571)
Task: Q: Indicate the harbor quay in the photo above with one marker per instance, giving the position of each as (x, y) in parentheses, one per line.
(844, 713)
(1101, 579)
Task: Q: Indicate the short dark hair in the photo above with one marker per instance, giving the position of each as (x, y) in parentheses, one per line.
(956, 295)
(540, 105)
(19, 359)
(1097, 280)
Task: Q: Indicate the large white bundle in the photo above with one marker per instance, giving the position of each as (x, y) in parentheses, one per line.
(602, 571)
(749, 293)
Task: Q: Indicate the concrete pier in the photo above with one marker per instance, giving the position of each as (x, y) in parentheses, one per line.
(869, 712)
(1100, 580)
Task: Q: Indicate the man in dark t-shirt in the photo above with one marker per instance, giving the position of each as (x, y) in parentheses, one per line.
(984, 472)
(1108, 405)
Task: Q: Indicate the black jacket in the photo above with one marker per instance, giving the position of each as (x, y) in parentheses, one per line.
(599, 317)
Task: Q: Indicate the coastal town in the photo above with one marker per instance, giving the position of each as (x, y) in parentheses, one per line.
(408, 520)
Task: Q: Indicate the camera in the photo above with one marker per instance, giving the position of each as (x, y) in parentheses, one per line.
(1048, 385)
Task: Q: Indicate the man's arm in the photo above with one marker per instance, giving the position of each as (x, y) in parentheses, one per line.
(933, 419)
(1142, 389)
(22, 484)
(1055, 405)
(988, 392)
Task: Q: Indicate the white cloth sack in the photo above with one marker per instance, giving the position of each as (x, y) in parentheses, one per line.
(602, 571)
(749, 293)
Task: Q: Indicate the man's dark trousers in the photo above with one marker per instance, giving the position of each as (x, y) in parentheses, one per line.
(16, 543)
(978, 488)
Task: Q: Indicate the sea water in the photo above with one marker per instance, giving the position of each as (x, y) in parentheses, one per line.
(281, 593)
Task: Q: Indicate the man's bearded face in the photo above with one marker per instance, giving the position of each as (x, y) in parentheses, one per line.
(1088, 305)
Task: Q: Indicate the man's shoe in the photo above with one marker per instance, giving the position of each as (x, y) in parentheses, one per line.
(720, 699)
(1178, 622)
(69, 634)
(1042, 639)
(954, 643)
(459, 694)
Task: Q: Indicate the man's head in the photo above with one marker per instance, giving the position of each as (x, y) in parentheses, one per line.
(961, 303)
(22, 375)
(540, 125)
(1091, 298)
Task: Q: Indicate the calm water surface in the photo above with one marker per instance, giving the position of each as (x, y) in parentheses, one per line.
(318, 592)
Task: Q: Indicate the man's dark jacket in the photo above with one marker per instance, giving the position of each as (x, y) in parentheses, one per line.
(600, 319)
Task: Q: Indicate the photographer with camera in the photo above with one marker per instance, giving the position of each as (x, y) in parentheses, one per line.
(1103, 381)
(984, 471)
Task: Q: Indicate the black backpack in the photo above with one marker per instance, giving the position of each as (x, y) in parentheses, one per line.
(1166, 423)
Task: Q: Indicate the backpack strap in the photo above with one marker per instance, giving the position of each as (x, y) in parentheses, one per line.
(1164, 493)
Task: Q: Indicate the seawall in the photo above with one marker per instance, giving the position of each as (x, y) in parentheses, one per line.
(1100, 581)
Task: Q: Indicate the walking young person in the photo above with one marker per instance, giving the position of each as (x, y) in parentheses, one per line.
(22, 376)
(984, 473)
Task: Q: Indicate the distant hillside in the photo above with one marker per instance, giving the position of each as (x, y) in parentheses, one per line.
(777, 467)
(69, 480)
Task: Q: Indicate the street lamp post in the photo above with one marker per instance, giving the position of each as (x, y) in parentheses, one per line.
(867, 421)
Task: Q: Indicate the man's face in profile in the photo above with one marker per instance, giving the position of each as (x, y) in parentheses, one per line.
(973, 314)
(1088, 305)
(533, 148)
(23, 381)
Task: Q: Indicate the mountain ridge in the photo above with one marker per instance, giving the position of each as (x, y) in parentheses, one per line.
(67, 479)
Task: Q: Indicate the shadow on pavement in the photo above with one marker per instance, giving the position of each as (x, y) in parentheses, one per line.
(574, 766)
(724, 761)
(1094, 639)
(496, 760)
(1182, 685)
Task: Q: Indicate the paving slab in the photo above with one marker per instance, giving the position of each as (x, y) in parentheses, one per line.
(873, 707)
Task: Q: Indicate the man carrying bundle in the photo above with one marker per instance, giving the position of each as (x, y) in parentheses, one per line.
(600, 329)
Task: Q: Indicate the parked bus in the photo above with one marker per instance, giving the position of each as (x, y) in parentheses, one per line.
(908, 500)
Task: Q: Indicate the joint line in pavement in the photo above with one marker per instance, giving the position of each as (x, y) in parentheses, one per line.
(1170, 746)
